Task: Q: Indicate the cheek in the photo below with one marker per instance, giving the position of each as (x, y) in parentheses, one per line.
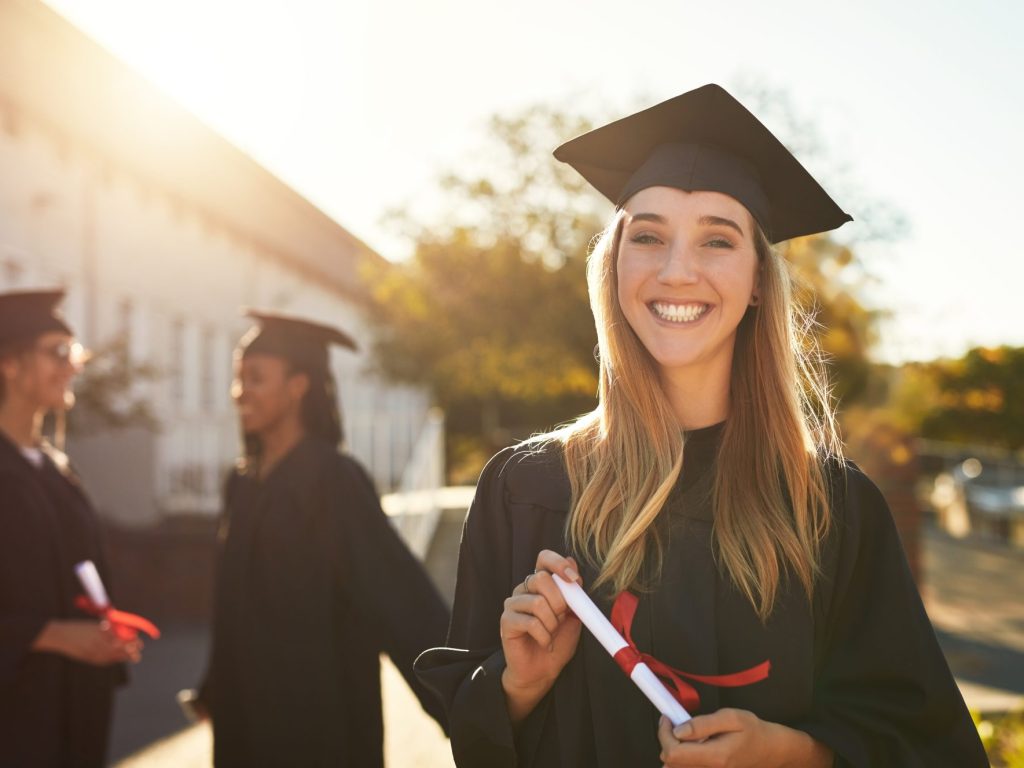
(736, 279)
(34, 377)
(269, 398)
(627, 281)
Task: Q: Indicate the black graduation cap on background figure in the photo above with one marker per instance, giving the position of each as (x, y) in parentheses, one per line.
(27, 314)
(306, 345)
(706, 140)
(302, 342)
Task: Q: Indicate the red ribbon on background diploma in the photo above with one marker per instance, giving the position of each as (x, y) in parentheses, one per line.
(126, 625)
(623, 610)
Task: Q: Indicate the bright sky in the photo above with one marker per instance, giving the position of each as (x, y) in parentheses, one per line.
(359, 106)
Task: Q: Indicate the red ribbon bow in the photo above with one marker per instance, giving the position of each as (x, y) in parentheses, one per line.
(623, 610)
(126, 625)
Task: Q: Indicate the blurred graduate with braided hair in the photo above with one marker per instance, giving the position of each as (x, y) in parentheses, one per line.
(313, 582)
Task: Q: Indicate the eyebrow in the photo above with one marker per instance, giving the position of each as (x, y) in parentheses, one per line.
(708, 221)
(657, 218)
(704, 221)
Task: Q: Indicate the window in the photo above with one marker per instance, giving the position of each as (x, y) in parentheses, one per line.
(208, 370)
(125, 325)
(178, 361)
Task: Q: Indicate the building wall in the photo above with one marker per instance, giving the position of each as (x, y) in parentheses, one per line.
(148, 263)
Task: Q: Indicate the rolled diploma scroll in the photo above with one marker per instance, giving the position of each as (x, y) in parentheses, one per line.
(91, 582)
(599, 626)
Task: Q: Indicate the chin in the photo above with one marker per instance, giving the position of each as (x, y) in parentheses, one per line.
(58, 401)
(676, 360)
(251, 426)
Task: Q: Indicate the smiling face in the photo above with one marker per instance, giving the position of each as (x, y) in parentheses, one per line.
(267, 392)
(687, 271)
(40, 376)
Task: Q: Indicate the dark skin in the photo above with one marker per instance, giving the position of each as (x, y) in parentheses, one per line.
(268, 395)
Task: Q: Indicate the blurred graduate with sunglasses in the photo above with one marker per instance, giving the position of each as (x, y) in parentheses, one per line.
(58, 666)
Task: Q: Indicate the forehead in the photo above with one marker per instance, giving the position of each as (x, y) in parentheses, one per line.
(672, 203)
(260, 362)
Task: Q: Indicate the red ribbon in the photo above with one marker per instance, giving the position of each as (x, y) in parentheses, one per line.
(623, 611)
(126, 625)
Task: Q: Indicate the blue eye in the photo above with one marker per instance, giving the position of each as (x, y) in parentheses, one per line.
(719, 242)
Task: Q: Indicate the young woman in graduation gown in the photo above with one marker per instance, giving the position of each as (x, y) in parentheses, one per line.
(313, 582)
(58, 666)
(704, 504)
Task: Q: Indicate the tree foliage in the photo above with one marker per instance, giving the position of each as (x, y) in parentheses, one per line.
(492, 308)
(978, 398)
(829, 283)
(106, 393)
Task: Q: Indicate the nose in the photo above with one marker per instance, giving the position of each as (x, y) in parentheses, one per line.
(679, 267)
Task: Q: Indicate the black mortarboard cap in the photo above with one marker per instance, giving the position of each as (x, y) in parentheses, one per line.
(300, 341)
(27, 314)
(705, 140)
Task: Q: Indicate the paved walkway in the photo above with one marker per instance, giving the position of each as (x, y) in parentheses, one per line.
(150, 731)
(974, 592)
(411, 738)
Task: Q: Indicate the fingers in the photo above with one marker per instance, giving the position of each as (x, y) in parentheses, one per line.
(538, 597)
(665, 736)
(133, 649)
(553, 562)
(116, 645)
(536, 607)
(515, 624)
(677, 754)
(705, 726)
(706, 739)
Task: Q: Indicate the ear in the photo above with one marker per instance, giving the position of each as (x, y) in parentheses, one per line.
(9, 366)
(297, 386)
(755, 292)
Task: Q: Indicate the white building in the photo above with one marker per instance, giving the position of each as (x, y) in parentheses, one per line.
(161, 231)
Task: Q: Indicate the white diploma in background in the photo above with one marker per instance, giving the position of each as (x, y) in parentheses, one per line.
(599, 626)
(91, 582)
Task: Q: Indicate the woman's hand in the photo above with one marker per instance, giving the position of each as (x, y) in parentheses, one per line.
(735, 738)
(539, 634)
(90, 642)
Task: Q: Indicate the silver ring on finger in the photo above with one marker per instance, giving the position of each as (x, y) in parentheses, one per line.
(526, 581)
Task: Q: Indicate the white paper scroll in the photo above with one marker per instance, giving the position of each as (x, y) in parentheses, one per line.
(91, 582)
(599, 626)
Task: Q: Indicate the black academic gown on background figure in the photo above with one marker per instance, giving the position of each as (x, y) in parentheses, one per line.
(859, 669)
(313, 583)
(53, 711)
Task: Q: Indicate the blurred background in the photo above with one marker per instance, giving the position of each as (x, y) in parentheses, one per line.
(386, 167)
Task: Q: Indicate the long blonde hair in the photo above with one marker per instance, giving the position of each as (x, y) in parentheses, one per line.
(771, 505)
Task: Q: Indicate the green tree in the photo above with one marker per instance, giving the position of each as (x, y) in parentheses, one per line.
(106, 396)
(979, 398)
(829, 283)
(491, 309)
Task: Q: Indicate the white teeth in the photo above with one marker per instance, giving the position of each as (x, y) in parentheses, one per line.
(679, 313)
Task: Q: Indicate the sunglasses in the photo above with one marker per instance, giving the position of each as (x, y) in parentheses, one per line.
(65, 353)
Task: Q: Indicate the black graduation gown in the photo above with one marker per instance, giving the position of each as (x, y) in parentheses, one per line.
(53, 711)
(859, 669)
(313, 583)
